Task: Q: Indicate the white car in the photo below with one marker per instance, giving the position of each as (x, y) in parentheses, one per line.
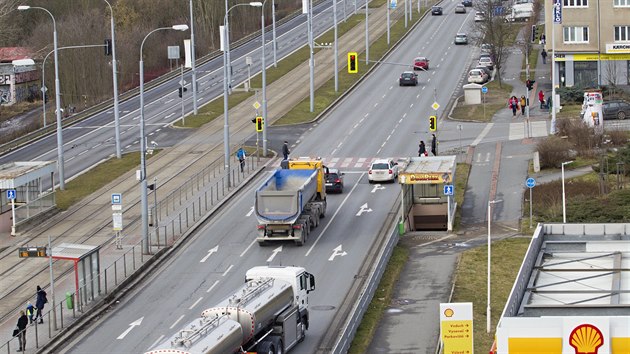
(487, 62)
(479, 16)
(382, 170)
(477, 76)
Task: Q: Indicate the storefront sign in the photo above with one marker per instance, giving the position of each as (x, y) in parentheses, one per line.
(456, 323)
(617, 48)
(557, 11)
(591, 57)
(425, 178)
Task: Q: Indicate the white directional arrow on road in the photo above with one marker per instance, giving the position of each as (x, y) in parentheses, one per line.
(131, 326)
(377, 187)
(275, 252)
(364, 209)
(210, 252)
(250, 211)
(337, 252)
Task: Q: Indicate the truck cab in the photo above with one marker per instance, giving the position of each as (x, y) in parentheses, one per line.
(301, 281)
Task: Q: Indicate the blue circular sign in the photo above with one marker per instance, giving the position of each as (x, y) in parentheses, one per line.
(530, 183)
(484, 90)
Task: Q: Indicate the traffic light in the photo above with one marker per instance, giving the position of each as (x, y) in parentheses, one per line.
(432, 123)
(259, 124)
(179, 89)
(108, 47)
(534, 33)
(353, 63)
(530, 84)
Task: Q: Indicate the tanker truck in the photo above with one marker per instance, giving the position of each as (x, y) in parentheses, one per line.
(291, 201)
(268, 314)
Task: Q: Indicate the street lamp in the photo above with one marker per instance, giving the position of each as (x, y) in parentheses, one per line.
(62, 183)
(311, 60)
(564, 205)
(264, 74)
(192, 54)
(367, 35)
(226, 77)
(143, 147)
(488, 310)
(115, 83)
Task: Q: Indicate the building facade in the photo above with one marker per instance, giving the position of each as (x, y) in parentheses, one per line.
(18, 83)
(592, 42)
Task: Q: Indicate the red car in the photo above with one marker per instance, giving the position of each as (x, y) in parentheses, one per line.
(421, 63)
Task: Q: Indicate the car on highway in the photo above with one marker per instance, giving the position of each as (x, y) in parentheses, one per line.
(408, 78)
(467, 3)
(460, 9)
(436, 10)
(421, 63)
(617, 109)
(477, 76)
(487, 62)
(461, 38)
(383, 170)
(334, 181)
(479, 15)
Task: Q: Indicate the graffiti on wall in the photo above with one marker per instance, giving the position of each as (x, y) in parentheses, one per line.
(26, 76)
(5, 79)
(5, 94)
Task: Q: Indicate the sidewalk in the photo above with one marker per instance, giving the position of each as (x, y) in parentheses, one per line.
(186, 197)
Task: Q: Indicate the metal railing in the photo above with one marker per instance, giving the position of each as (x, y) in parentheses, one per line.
(34, 207)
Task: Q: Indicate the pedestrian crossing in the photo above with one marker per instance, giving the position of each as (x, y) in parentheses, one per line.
(352, 163)
(519, 130)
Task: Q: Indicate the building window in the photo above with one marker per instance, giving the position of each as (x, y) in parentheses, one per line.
(621, 3)
(622, 33)
(575, 34)
(578, 3)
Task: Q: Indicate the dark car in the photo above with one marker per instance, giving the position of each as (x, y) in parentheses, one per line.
(408, 78)
(616, 109)
(467, 3)
(436, 10)
(334, 181)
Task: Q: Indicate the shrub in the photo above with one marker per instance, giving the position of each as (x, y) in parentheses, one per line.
(618, 137)
(581, 137)
(571, 94)
(553, 151)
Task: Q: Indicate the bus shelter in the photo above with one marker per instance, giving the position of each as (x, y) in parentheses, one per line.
(86, 269)
(428, 201)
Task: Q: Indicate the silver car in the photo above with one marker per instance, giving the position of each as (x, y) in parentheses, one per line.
(461, 38)
(477, 76)
(383, 170)
(487, 62)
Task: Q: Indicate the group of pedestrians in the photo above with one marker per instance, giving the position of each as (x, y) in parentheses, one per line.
(422, 149)
(31, 315)
(517, 104)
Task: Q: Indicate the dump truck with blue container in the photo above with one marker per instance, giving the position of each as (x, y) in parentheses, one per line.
(291, 202)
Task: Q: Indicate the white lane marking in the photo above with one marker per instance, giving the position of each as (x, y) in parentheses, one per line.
(131, 326)
(227, 270)
(401, 119)
(337, 252)
(176, 322)
(247, 249)
(210, 252)
(389, 136)
(482, 134)
(195, 304)
(251, 211)
(274, 253)
(213, 285)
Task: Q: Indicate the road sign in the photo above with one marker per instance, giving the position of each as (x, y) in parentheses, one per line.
(256, 105)
(530, 182)
(435, 106)
(116, 198)
(392, 4)
(11, 193)
(117, 221)
(448, 189)
(484, 89)
(25, 252)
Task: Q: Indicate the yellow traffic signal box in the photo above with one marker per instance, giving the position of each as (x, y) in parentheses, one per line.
(259, 124)
(432, 123)
(353, 63)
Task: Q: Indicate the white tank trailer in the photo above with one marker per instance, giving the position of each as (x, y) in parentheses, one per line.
(267, 314)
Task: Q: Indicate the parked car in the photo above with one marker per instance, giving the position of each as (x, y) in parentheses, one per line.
(421, 63)
(334, 181)
(486, 48)
(467, 3)
(408, 78)
(382, 170)
(485, 69)
(460, 9)
(616, 109)
(479, 15)
(477, 76)
(461, 38)
(436, 10)
(487, 62)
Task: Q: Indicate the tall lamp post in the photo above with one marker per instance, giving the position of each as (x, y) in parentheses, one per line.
(273, 29)
(226, 78)
(143, 146)
(115, 83)
(264, 75)
(564, 204)
(62, 180)
(488, 309)
(192, 54)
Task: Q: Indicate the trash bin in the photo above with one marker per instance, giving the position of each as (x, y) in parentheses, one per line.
(69, 300)
(401, 228)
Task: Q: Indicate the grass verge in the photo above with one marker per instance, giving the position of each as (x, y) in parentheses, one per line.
(382, 299)
(496, 99)
(96, 178)
(471, 283)
(461, 181)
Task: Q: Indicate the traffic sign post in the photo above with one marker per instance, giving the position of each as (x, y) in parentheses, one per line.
(448, 189)
(484, 90)
(530, 183)
(11, 194)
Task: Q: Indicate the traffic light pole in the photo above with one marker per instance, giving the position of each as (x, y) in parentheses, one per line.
(181, 93)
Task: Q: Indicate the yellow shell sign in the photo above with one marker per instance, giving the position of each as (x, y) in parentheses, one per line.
(586, 339)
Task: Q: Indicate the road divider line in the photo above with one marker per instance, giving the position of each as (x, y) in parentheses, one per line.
(482, 135)
(227, 270)
(212, 287)
(195, 303)
(176, 322)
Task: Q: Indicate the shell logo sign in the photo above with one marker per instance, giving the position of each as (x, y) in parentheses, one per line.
(586, 339)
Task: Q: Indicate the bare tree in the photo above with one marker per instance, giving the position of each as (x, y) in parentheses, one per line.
(611, 70)
(8, 29)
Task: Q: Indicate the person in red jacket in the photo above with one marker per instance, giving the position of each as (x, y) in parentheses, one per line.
(541, 98)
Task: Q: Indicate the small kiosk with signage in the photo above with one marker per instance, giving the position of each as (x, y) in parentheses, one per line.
(86, 269)
(428, 201)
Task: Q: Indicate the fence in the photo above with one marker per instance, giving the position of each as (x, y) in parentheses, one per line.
(34, 207)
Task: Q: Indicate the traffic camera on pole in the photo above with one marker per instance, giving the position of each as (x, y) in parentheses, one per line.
(353, 63)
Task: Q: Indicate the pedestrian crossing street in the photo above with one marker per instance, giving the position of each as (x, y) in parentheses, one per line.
(537, 129)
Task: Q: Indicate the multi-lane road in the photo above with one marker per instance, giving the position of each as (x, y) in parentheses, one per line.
(379, 119)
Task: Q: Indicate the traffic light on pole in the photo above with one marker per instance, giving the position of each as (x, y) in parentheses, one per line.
(432, 123)
(108, 47)
(259, 124)
(353, 63)
(534, 33)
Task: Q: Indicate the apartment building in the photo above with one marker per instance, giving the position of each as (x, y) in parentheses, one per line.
(592, 42)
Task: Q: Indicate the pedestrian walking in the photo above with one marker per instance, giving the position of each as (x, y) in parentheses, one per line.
(543, 39)
(285, 150)
(543, 54)
(20, 331)
(422, 150)
(39, 304)
(434, 145)
(240, 154)
(30, 312)
(513, 104)
(523, 104)
(541, 98)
